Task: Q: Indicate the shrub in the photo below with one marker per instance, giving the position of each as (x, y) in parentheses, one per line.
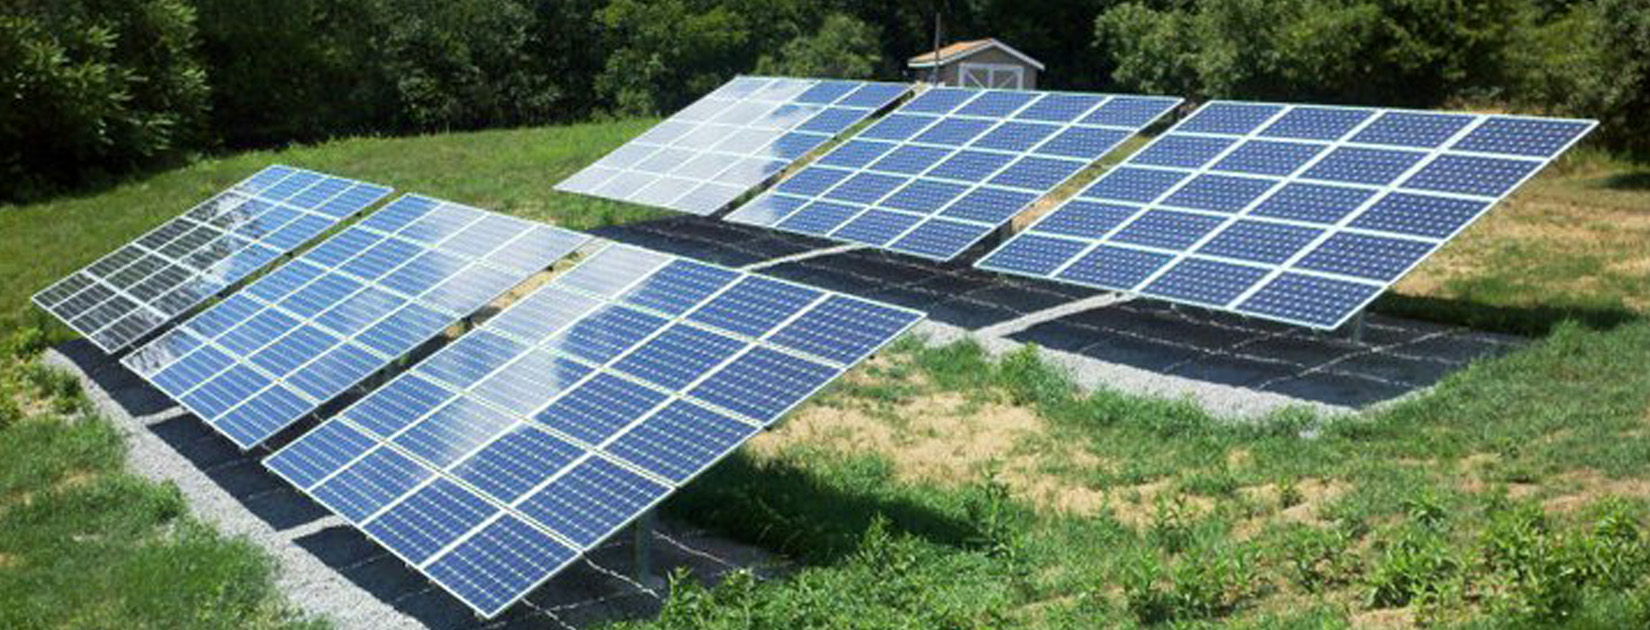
(92, 88)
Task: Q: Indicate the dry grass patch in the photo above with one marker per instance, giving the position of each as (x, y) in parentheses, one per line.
(1586, 487)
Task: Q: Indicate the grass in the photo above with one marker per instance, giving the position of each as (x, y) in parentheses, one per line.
(84, 544)
(1422, 524)
(959, 490)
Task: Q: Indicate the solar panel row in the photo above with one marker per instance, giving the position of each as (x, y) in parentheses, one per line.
(951, 166)
(1295, 213)
(501, 458)
(275, 351)
(135, 290)
(705, 156)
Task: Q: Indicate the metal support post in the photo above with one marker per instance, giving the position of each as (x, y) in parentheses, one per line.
(1355, 328)
(641, 542)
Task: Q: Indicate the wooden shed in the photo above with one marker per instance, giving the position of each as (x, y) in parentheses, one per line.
(978, 63)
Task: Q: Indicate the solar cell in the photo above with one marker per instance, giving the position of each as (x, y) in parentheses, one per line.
(139, 288)
(577, 438)
(731, 140)
(950, 167)
(308, 331)
(1296, 213)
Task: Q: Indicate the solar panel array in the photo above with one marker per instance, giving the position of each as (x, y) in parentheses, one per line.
(135, 290)
(495, 462)
(1294, 213)
(737, 137)
(277, 350)
(950, 167)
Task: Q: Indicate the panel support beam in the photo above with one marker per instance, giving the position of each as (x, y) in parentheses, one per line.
(812, 253)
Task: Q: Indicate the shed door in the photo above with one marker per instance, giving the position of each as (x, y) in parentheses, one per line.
(991, 75)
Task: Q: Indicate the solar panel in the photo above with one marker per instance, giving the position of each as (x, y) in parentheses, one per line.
(283, 346)
(1296, 213)
(949, 167)
(139, 288)
(738, 136)
(506, 455)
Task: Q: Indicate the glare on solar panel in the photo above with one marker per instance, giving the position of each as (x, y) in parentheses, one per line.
(1300, 214)
(308, 331)
(738, 136)
(139, 288)
(529, 428)
(950, 167)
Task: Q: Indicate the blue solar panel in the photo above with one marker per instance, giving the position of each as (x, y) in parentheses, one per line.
(1413, 129)
(763, 384)
(678, 356)
(967, 162)
(1139, 185)
(431, 518)
(1219, 193)
(1260, 241)
(1088, 219)
(856, 153)
(1268, 158)
(1351, 197)
(731, 140)
(820, 217)
(1206, 282)
(566, 441)
(1131, 111)
(1314, 203)
(1472, 175)
(1112, 267)
(505, 558)
(989, 206)
(144, 285)
(1359, 165)
(1420, 215)
(1364, 256)
(298, 339)
(876, 227)
(1317, 123)
(941, 238)
(681, 440)
(1033, 255)
(1168, 229)
(1037, 173)
(1229, 118)
(754, 306)
(910, 160)
(1016, 136)
(924, 196)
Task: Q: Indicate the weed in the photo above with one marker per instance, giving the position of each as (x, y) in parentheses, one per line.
(1418, 567)
(1289, 493)
(1171, 527)
(998, 523)
(24, 343)
(1209, 583)
(1319, 559)
(55, 385)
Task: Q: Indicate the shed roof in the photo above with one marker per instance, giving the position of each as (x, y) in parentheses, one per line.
(960, 50)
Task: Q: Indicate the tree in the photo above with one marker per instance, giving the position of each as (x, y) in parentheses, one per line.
(90, 87)
(667, 52)
(842, 48)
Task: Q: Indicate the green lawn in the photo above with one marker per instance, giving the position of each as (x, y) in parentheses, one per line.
(1516, 494)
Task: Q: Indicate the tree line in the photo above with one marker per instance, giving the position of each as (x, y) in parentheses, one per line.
(93, 89)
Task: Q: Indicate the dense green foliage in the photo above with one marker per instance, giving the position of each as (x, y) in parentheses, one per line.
(89, 87)
(97, 86)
